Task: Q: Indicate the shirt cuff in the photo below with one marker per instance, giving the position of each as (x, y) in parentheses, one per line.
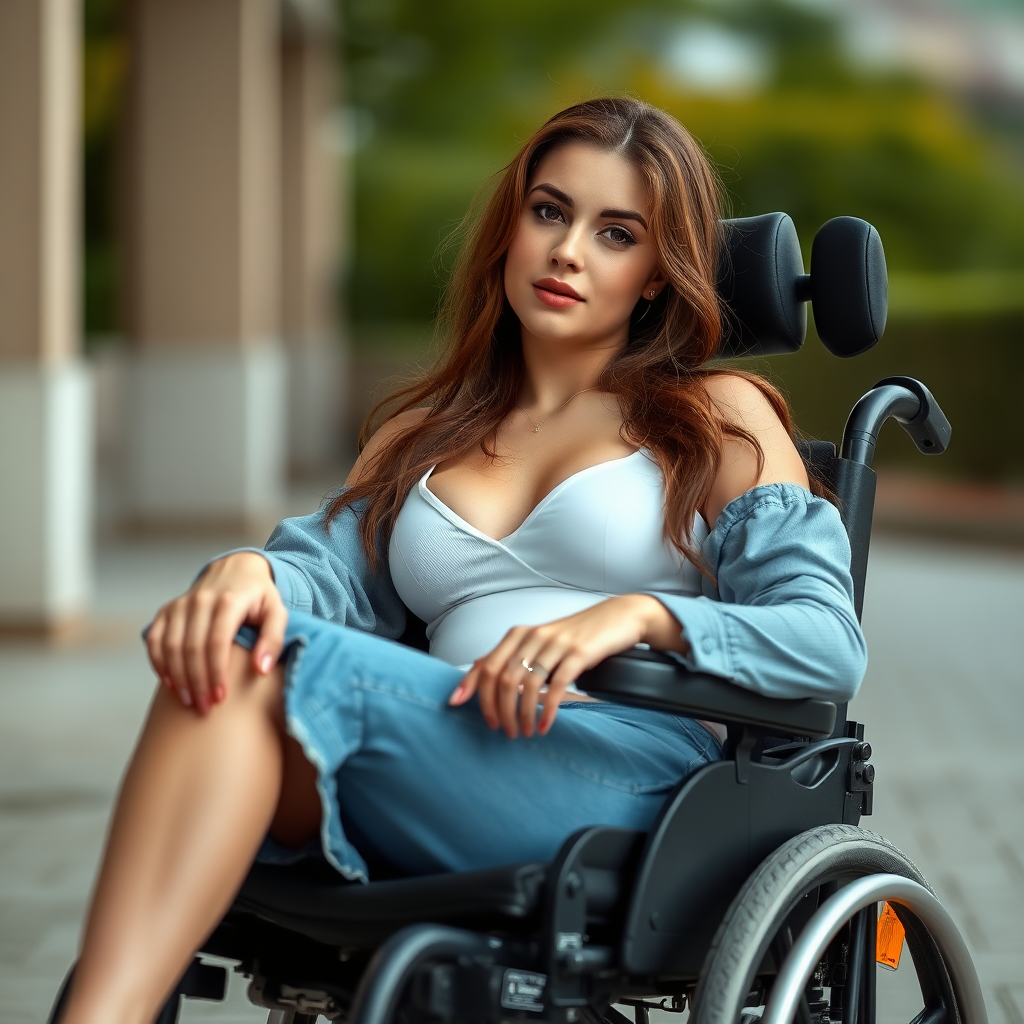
(704, 629)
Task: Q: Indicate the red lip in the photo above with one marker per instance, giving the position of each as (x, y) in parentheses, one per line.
(556, 293)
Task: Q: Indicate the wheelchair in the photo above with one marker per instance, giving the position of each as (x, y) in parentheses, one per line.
(771, 916)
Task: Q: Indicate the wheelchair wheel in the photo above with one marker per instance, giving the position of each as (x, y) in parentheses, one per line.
(819, 873)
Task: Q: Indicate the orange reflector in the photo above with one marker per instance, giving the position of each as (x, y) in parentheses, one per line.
(891, 932)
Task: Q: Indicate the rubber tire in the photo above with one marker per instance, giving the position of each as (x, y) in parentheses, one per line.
(823, 854)
(62, 996)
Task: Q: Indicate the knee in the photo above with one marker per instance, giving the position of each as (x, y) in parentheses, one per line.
(247, 692)
(247, 686)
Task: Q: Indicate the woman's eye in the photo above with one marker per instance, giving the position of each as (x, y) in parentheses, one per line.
(548, 211)
(619, 235)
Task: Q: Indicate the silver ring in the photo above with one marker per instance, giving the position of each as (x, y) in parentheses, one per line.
(535, 668)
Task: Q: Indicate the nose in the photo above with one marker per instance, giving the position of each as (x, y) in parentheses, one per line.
(569, 250)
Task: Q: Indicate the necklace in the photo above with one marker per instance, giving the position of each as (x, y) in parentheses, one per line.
(536, 425)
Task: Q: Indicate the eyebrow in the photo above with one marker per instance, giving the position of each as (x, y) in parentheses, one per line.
(558, 194)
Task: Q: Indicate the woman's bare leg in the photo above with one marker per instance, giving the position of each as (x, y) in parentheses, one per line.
(197, 799)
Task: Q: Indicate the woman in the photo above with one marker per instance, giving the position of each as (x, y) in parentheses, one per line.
(543, 499)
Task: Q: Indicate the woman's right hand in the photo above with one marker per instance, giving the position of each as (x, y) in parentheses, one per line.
(190, 639)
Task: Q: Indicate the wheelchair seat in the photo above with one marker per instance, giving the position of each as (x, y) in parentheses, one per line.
(321, 905)
(771, 917)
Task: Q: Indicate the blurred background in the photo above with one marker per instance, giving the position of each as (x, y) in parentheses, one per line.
(224, 229)
(909, 113)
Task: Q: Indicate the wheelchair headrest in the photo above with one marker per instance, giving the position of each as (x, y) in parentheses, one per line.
(764, 287)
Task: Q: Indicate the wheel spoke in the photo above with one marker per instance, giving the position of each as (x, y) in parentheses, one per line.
(869, 996)
(782, 944)
(854, 972)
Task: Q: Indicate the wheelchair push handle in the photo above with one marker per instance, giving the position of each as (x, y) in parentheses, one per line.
(907, 401)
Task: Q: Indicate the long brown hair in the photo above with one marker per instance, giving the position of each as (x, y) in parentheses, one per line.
(658, 376)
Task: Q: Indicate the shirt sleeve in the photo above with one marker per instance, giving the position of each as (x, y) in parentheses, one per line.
(321, 569)
(781, 620)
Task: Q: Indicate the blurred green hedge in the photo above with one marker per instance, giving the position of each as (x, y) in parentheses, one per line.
(974, 366)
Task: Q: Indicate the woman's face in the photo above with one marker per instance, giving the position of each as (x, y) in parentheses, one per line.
(582, 256)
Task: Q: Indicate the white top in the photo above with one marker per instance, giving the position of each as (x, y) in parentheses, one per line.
(598, 533)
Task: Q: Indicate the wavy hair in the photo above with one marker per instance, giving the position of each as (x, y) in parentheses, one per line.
(658, 376)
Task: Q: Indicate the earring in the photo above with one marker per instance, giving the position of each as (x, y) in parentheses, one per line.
(653, 293)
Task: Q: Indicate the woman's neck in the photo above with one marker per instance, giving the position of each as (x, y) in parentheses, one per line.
(555, 370)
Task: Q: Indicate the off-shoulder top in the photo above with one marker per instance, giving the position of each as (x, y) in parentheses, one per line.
(598, 533)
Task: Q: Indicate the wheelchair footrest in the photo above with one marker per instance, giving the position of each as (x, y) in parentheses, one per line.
(204, 981)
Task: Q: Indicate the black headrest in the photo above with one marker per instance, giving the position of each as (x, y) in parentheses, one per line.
(758, 285)
(849, 288)
(764, 288)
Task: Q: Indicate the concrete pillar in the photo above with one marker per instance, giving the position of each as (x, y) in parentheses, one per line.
(45, 395)
(207, 388)
(311, 184)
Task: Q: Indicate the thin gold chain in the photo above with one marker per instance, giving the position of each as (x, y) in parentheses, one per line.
(536, 425)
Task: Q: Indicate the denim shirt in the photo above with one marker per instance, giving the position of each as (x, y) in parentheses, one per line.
(779, 620)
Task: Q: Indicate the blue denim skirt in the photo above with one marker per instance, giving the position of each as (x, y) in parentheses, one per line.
(408, 782)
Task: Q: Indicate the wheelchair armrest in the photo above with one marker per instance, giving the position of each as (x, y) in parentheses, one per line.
(654, 680)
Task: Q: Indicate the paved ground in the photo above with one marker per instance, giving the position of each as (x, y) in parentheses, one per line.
(943, 700)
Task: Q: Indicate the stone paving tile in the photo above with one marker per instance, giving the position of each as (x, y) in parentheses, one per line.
(943, 702)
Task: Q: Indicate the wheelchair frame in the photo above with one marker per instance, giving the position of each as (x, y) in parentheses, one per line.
(626, 917)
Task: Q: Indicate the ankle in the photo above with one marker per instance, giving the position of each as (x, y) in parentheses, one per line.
(106, 1009)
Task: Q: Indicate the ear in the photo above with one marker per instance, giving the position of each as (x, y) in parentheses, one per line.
(655, 283)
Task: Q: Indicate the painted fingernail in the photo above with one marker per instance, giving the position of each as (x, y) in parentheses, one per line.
(266, 663)
(219, 694)
(456, 697)
(186, 698)
(204, 703)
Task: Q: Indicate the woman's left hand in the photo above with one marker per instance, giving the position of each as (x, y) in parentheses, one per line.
(558, 652)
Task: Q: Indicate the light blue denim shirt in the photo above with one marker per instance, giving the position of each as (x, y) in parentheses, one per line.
(780, 620)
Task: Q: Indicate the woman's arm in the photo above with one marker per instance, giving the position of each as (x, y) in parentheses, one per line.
(307, 564)
(743, 405)
(781, 619)
(321, 569)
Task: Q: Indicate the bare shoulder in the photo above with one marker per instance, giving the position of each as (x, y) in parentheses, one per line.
(396, 425)
(744, 405)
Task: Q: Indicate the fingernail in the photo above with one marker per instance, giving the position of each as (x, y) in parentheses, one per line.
(166, 681)
(186, 698)
(204, 703)
(266, 663)
(219, 694)
(456, 697)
